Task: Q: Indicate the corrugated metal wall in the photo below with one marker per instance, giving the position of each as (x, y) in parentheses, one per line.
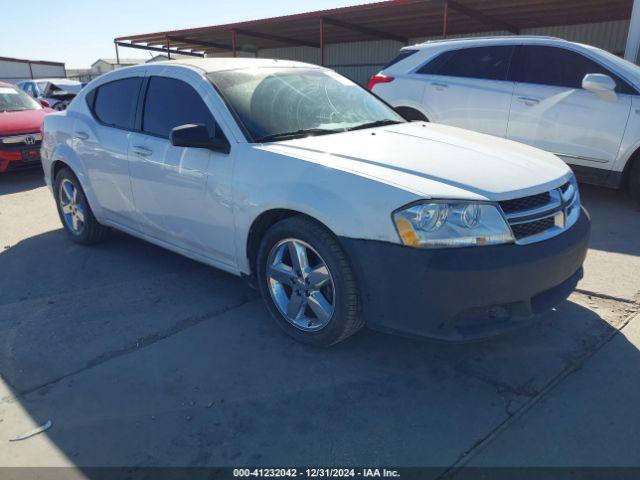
(360, 60)
(14, 71)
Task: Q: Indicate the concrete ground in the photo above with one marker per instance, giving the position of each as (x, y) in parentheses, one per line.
(140, 357)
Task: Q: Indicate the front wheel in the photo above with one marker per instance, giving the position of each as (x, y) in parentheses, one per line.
(307, 282)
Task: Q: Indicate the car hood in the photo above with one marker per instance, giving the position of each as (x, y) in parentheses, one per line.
(26, 121)
(434, 160)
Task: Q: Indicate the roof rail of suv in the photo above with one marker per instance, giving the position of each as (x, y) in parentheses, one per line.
(492, 37)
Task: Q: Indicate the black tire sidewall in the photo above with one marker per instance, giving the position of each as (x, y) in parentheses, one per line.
(334, 330)
(634, 182)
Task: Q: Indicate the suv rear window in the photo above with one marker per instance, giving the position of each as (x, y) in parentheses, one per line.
(114, 103)
(489, 63)
(401, 56)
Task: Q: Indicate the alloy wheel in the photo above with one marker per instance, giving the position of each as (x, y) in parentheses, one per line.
(300, 284)
(71, 206)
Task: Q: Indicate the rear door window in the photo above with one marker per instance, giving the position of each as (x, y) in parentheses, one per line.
(398, 58)
(114, 103)
(170, 103)
(558, 67)
(489, 63)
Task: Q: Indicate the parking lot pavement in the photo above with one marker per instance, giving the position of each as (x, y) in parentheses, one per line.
(143, 358)
(591, 419)
(613, 262)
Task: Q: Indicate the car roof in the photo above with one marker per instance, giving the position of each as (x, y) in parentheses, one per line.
(494, 40)
(219, 64)
(57, 81)
(5, 84)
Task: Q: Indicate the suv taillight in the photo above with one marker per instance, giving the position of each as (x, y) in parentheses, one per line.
(376, 79)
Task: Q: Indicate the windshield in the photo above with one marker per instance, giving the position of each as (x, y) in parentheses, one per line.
(280, 103)
(14, 100)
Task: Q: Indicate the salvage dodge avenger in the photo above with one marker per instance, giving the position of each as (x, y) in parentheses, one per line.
(340, 211)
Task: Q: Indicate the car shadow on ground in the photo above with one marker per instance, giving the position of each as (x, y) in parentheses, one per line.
(22, 181)
(615, 219)
(141, 357)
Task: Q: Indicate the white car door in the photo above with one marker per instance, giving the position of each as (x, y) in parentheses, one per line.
(183, 195)
(101, 140)
(468, 88)
(551, 110)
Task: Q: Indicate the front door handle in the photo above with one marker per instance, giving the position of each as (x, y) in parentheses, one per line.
(529, 101)
(439, 85)
(141, 151)
(81, 135)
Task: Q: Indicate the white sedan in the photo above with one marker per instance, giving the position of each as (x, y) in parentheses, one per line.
(337, 209)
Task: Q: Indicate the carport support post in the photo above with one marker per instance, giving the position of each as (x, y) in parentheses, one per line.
(117, 53)
(234, 41)
(168, 48)
(632, 52)
(445, 18)
(321, 41)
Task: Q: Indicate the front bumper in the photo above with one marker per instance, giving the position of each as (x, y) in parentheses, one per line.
(20, 158)
(466, 293)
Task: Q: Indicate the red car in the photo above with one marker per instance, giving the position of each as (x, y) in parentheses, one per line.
(20, 128)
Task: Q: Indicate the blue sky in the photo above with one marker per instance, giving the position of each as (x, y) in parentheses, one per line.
(79, 32)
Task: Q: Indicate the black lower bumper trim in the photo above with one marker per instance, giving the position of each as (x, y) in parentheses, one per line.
(466, 293)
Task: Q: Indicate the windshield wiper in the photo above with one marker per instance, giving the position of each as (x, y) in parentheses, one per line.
(377, 123)
(298, 133)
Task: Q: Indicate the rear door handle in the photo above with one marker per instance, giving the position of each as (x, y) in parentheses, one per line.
(81, 135)
(439, 85)
(529, 100)
(141, 151)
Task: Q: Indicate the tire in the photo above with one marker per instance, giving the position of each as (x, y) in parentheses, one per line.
(318, 288)
(634, 181)
(76, 215)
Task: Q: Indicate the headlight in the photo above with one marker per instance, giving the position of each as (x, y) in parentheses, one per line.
(438, 224)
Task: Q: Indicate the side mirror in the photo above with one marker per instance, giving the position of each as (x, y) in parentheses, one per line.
(44, 103)
(197, 136)
(599, 83)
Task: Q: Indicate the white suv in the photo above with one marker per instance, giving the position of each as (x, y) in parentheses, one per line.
(577, 101)
(337, 209)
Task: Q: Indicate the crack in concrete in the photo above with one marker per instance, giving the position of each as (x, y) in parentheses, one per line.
(143, 342)
(569, 369)
(604, 296)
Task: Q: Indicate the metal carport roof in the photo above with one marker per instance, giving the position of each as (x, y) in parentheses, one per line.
(393, 19)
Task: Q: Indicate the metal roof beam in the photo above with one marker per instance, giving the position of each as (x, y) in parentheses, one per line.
(365, 30)
(483, 17)
(159, 49)
(277, 38)
(201, 43)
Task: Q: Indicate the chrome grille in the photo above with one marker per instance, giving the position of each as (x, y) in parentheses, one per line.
(27, 139)
(544, 215)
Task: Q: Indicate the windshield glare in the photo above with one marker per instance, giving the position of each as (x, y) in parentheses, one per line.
(13, 99)
(272, 101)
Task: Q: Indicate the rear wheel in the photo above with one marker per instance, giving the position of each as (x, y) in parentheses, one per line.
(307, 282)
(74, 210)
(634, 181)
